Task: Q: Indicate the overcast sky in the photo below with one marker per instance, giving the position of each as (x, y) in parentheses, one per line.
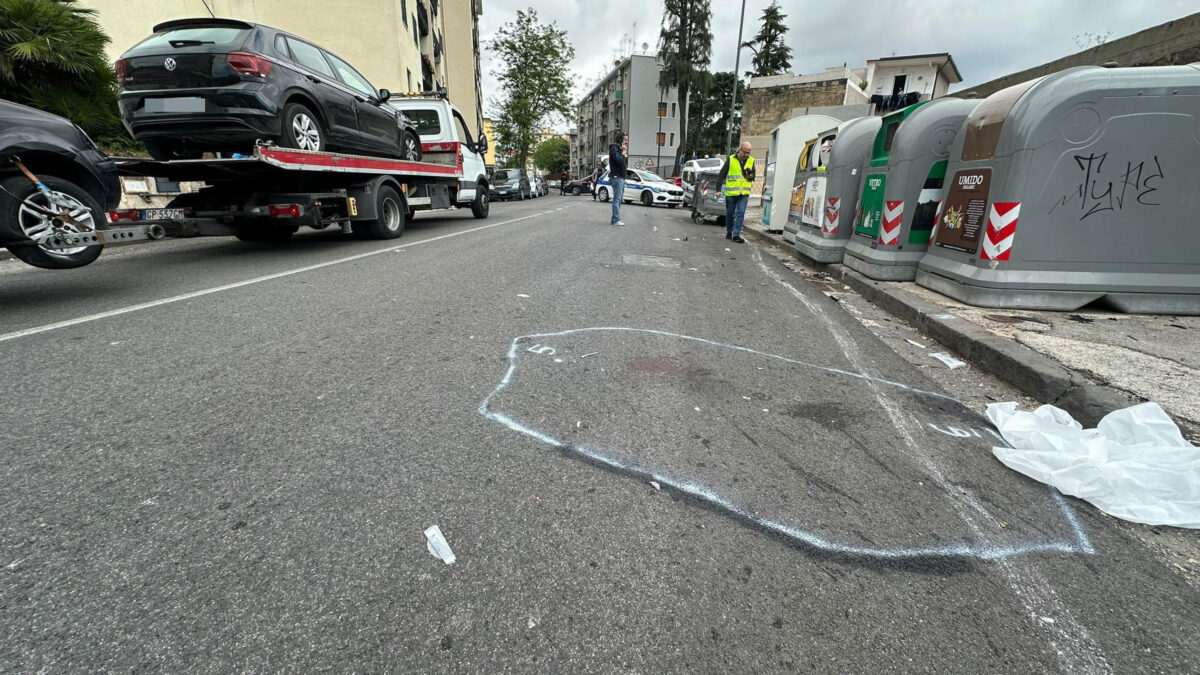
(986, 39)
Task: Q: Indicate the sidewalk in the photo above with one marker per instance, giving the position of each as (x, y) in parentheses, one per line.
(1088, 362)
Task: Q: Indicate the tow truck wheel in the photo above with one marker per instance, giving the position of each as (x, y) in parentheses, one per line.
(24, 209)
(481, 205)
(392, 214)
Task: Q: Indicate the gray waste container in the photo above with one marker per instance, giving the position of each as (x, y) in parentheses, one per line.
(823, 238)
(916, 170)
(807, 166)
(1078, 186)
(707, 199)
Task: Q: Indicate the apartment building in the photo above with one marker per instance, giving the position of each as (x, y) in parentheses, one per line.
(630, 98)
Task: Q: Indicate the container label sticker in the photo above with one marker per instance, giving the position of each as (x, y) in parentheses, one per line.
(870, 214)
(965, 212)
(814, 198)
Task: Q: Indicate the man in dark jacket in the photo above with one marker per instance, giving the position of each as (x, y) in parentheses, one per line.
(618, 155)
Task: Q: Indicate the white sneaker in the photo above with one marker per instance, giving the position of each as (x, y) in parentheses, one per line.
(620, 222)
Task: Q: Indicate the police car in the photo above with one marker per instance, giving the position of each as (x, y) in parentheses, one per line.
(642, 186)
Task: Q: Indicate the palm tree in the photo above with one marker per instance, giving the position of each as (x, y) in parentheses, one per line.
(52, 58)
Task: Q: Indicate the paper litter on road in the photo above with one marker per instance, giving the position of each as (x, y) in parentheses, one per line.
(951, 362)
(1134, 465)
(438, 546)
(522, 295)
(914, 343)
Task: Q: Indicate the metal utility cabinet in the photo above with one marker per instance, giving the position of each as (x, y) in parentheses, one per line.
(912, 191)
(823, 237)
(787, 142)
(1075, 187)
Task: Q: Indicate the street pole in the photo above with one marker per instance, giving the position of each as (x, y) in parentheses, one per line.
(661, 101)
(737, 63)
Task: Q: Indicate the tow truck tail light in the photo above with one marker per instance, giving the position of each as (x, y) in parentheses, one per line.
(248, 64)
(284, 210)
(122, 68)
(132, 215)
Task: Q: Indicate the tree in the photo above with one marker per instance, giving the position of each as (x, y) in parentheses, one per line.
(772, 56)
(685, 46)
(553, 156)
(708, 112)
(534, 80)
(52, 58)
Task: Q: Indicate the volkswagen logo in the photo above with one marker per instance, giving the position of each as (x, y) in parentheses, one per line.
(169, 64)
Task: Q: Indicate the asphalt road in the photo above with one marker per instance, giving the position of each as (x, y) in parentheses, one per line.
(651, 450)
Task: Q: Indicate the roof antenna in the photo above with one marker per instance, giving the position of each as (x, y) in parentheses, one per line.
(210, 12)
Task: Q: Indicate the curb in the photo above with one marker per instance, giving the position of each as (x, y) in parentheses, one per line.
(1034, 374)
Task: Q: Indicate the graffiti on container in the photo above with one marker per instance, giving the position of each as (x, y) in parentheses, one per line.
(1132, 185)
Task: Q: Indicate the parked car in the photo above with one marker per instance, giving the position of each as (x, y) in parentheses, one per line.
(219, 85)
(537, 186)
(510, 184)
(691, 170)
(445, 138)
(553, 184)
(579, 186)
(642, 186)
(82, 182)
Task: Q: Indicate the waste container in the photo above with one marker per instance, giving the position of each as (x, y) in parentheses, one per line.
(787, 142)
(1075, 187)
(708, 201)
(806, 166)
(912, 191)
(823, 238)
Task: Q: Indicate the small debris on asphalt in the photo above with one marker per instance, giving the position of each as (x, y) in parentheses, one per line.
(589, 354)
(1080, 318)
(522, 295)
(914, 343)
(438, 547)
(951, 362)
(655, 484)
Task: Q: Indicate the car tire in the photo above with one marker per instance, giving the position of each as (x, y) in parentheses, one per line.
(166, 151)
(301, 129)
(602, 194)
(392, 214)
(647, 198)
(481, 205)
(19, 193)
(575, 191)
(410, 147)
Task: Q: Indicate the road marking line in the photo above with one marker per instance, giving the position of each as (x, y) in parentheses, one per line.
(238, 284)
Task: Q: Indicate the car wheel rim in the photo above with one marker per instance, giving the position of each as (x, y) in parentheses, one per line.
(410, 149)
(483, 201)
(304, 129)
(391, 215)
(36, 224)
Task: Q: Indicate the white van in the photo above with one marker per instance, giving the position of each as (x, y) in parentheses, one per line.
(444, 140)
(691, 169)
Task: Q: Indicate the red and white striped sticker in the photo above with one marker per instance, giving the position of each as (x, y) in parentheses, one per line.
(833, 212)
(1001, 230)
(937, 218)
(889, 228)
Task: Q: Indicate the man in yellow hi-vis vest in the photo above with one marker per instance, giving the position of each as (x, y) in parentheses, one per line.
(737, 174)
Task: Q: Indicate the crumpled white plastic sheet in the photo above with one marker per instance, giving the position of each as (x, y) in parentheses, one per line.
(1135, 465)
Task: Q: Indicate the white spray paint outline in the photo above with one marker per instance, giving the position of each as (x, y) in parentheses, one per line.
(1081, 545)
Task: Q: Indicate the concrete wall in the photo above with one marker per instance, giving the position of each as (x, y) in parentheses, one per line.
(461, 24)
(768, 106)
(1175, 42)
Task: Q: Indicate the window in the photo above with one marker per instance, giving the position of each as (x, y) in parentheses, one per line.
(672, 139)
(416, 36)
(351, 77)
(660, 138)
(672, 110)
(408, 71)
(427, 121)
(662, 109)
(463, 135)
(404, 12)
(192, 36)
(282, 48)
(310, 57)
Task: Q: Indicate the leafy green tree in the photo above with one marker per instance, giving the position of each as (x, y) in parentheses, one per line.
(772, 56)
(685, 45)
(534, 80)
(52, 58)
(708, 112)
(553, 156)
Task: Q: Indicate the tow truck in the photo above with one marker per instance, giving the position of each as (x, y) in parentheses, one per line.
(269, 195)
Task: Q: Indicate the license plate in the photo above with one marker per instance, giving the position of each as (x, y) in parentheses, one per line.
(162, 214)
(190, 104)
